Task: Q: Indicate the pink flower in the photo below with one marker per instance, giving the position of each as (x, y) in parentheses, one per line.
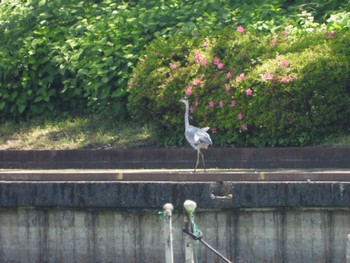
(197, 56)
(267, 76)
(222, 104)
(330, 35)
(191, 109)
(244, 127)
(189, 90)
(274, 42)
(228, 87)
(240, 116)
(205, 44)
(211, 104)
(173, 66)
(197, 82)
(242, 76)
(220, 66)
(285, 79)
(204, 62)
(196, 103)
(228, 75)
(249, 92)
(240, 29)
(213, 130)
(233, 103)
(216, 61)
(284, 63)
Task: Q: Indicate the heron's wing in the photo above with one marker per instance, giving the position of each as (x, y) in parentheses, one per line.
(202, 137)
(198, 137)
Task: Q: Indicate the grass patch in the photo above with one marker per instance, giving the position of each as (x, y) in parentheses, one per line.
(73, 133)
(337, 141)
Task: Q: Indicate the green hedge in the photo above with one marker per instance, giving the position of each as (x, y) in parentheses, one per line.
(64, 56)
(77, 56)
(250, 88)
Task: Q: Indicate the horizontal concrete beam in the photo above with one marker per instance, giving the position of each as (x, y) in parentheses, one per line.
(176, 175)
(153, 195)
(179, 158)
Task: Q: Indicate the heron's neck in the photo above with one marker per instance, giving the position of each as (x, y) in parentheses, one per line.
(187, 123)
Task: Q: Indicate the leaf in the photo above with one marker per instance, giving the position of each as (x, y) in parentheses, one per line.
(21, 108)
(128, 56)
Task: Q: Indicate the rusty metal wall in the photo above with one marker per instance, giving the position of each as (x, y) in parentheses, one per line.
(243, 235)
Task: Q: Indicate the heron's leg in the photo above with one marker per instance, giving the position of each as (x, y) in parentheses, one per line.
(203, 161)
(198, 152)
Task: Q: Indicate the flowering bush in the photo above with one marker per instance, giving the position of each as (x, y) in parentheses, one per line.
(250, 88)
(59, 57)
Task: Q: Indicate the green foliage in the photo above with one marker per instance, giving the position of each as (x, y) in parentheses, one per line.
(59, 57)
(250, 88)
(62, 56)
(65, 56)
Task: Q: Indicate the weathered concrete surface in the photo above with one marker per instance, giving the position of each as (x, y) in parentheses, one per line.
(152, 195)
(251, 215)
(176, 175)
(179, 158)
(243, 235)
(117, 221)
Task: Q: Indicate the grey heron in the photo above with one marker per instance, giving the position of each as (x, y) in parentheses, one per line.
(197, 137)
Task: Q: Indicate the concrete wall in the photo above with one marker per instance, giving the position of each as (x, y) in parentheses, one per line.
(243, 235)
(53, 218)
(118, 221)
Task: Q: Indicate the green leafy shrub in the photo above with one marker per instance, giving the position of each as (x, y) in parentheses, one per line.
(250, 88)
(64, 56)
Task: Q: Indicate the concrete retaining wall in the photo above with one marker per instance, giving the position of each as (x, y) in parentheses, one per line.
(60, 217)
(118, 221)
(243, 235)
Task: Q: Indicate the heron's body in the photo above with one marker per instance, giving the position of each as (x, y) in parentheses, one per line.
(197, 137)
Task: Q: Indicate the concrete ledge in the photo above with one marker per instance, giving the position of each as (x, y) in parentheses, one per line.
(153, 195)
(178, 158)
(178, 175)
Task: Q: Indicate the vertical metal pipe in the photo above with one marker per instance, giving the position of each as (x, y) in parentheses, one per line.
(168, 232)
(189, 206)
(189, 257)
(348, 250)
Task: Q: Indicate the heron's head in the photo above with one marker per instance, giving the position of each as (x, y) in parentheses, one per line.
(184, 100)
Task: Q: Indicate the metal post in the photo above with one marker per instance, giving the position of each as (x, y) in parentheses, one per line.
(189, 206)
(348, 250)
(189, 258)
(168, 233)
(195, 234)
